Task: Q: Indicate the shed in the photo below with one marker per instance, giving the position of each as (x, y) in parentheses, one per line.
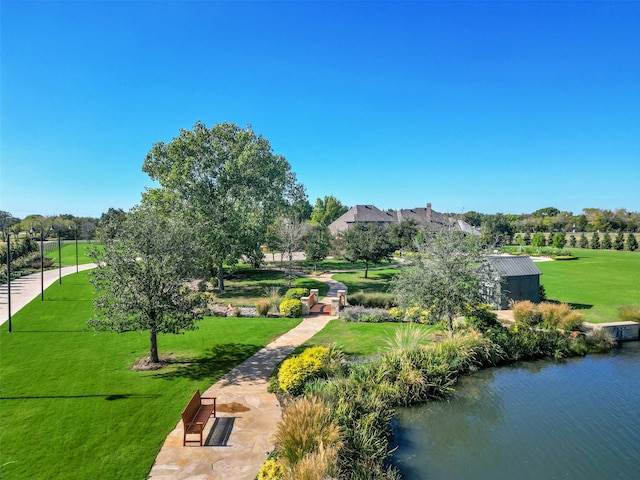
(519, 279)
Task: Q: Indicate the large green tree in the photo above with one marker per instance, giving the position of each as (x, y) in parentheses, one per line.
(446, 277)
(326, 210)
(141, 275)
(368, 242)
(232, 183)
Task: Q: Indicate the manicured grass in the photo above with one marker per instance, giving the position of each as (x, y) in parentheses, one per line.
(68, 251)
(597, 283)
(329, 265)
(377, 281)
(71, 406)
(246, 286)
(359, 339)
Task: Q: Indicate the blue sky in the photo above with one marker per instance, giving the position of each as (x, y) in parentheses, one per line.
(487, 106)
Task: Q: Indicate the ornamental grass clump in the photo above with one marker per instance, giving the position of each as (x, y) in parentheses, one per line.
(308, 440)
(600, 340)
(526, 313)
(629, 313)
(263, 306)
(366, 315)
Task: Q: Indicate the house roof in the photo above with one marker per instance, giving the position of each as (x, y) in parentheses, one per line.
(362, 213)
(425, 217)
(513, 266)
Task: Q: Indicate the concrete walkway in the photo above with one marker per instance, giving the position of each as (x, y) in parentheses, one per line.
(25, 289)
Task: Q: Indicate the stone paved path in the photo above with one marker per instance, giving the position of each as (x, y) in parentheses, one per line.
(244, 406)
(244, 403)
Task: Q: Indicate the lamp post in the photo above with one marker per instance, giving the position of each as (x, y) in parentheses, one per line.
(76, 237)
(9, 276)
(53, 229)
(32, 231)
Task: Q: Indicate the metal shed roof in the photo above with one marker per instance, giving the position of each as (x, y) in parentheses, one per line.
(513, 266)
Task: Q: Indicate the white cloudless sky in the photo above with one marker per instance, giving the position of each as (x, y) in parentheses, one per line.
(487, 106)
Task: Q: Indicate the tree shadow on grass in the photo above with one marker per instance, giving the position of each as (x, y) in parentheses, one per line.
(216, 362)
(574, 306)
(254, 363)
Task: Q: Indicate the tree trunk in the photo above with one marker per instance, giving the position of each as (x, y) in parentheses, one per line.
(154, 346)
(450, 319)
(366, 269)
(220, 277)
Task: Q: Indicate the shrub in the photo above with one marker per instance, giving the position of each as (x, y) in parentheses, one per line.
(584, 243)
(629, 313)
(632, 242)
(295, 371)
(291, 308)
(482, 318)
(397, 314)
(263, 306)
(572, 321)
(296, 293)
(271, 470)
(599, 340)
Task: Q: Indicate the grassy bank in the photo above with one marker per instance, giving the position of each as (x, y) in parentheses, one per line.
(68, 251)
(71, 406)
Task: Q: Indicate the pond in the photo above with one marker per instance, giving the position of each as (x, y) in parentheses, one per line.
(576, 419)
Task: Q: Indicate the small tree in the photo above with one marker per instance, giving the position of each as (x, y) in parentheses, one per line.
(368, 242)
(317, 243)
(447, 277)
(140, 278)
(572, 241)
(618, 243)
(632, 242)
(327, 210)
(289, 238)
(606, 241)
(538, 240)
(527, 238)
(584, 243)
(595, 241)
(558, 240)
(404, 233)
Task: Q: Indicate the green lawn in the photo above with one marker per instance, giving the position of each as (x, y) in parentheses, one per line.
(377, 281)
(69, 253)
(246, 286)
(359, 339)
(598, 282)
(71, 406)
(328, 265)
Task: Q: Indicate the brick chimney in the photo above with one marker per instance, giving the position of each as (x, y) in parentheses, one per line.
(428, 212)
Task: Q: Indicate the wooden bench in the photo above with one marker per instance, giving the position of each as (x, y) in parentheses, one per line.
(196, 415)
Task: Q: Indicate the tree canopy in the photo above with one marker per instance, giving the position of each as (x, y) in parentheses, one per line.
(446, 278)
(327, 210)
(140, 277)
(232, 185)
(368, 242)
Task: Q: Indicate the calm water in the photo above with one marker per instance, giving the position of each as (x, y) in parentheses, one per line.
(579, 419)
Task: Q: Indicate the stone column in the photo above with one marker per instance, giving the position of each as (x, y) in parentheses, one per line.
(342, 295)
(335, 306)
(305, 306)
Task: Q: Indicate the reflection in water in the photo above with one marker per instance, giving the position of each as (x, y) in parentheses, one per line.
(576, 419)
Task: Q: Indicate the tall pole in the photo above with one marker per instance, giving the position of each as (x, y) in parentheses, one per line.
(59, 259)
(42, 265)
(76, 248)
(9, 276)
